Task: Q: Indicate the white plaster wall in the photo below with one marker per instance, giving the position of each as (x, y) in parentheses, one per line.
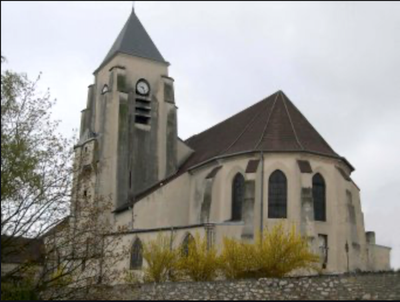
(168, 206)
(179, 203)
(378, 257)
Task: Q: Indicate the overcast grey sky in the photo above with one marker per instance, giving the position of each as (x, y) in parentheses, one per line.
(339, 63)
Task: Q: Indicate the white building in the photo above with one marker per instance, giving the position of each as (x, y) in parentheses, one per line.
(264, 165)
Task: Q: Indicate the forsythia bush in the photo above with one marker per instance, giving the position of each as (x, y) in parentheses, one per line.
(237, 259)
(165, 263)
(162, 261)
(274, 254)
(202, 263)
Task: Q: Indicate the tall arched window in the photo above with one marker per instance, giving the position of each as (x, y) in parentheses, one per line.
(185, 244)
(319, 197)
(277, 195)
(136, 255)
(237, 197)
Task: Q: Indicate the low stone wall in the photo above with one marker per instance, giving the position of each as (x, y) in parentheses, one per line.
(384, 286)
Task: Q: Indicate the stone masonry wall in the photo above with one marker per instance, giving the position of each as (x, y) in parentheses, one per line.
(383, 286)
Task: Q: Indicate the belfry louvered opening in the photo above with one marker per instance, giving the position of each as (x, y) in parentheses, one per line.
(143, 111)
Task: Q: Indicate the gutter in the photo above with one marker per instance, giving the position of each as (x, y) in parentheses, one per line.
(262, 195)
(272, 151)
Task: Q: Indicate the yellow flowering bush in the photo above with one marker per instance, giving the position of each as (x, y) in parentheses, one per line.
(202, 262)
(161, 259)
(275, 253)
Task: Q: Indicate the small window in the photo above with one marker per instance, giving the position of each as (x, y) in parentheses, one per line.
(86, 149)
(105, 89)
(85, 193)
(137, 255)
(237, 197)
(277, 195)
(186, 243)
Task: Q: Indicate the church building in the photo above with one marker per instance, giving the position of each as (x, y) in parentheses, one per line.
(262, 166)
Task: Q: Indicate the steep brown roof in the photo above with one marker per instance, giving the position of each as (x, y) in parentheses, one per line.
(271, 125)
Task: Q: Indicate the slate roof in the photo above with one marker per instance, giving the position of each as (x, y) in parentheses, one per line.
(271, 125)
(135, 41)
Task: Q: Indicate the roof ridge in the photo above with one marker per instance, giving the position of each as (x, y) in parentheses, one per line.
(269, 117)
(311, 125)
(226, 119)
(291, 123)
(245, 128)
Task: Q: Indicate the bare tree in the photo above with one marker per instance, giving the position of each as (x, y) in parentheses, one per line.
(36, 183)
(35, 160)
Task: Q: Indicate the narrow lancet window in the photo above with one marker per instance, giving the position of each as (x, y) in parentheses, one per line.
(137, 255)
(237, 197)
(319, 197)
(277, 195)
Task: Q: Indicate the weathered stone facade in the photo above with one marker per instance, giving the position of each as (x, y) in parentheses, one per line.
(382, 286)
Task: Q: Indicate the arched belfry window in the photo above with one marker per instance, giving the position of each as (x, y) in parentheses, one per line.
(237, 197)
(105, 89)
(185, 244)
(277, 195)
(137, 255)
(319, 197)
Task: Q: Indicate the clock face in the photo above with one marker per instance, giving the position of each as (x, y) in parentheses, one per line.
(142, 87)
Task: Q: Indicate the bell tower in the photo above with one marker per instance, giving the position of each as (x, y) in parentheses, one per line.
(131, 117)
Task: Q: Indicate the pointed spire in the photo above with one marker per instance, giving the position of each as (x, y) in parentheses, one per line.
(135, 41)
